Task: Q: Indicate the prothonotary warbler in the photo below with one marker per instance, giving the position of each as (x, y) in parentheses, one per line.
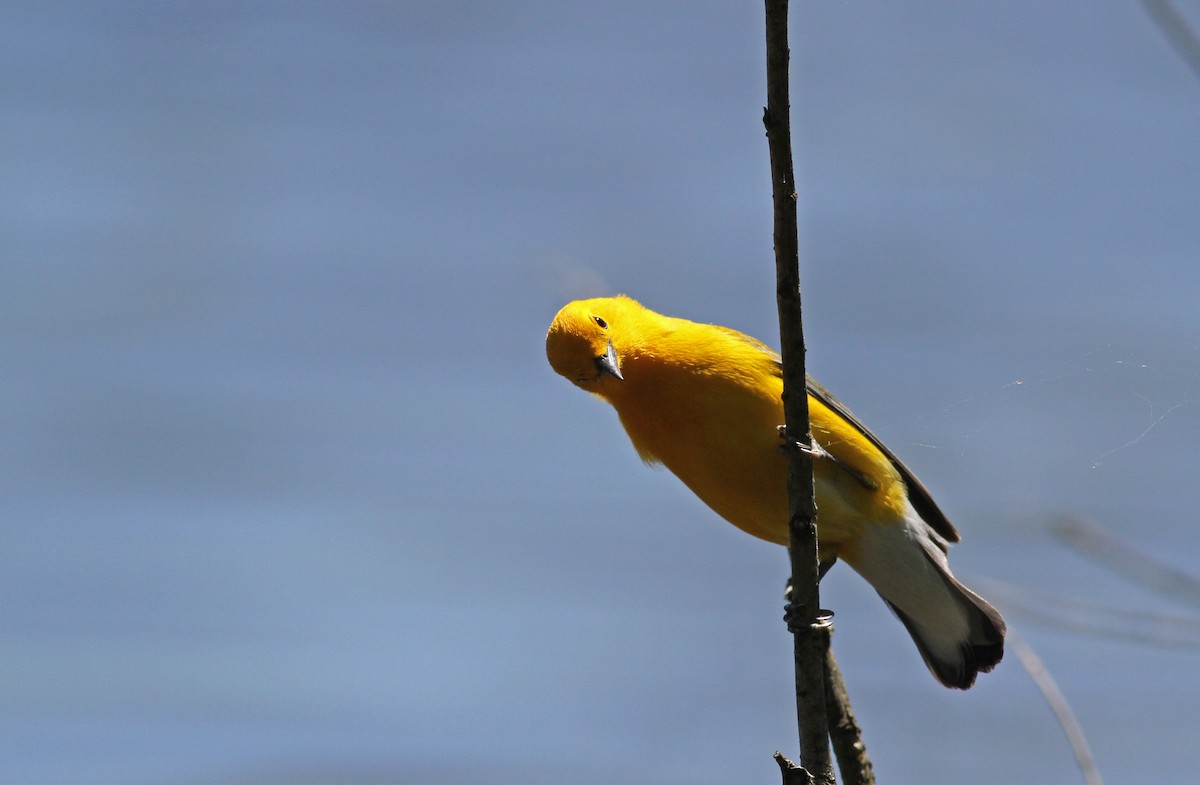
(705, 401)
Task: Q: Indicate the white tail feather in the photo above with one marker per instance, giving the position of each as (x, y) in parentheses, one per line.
(958, 633)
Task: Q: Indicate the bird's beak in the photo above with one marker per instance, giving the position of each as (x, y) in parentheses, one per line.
(607, 363)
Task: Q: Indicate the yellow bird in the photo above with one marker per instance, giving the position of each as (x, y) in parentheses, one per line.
(705, 401)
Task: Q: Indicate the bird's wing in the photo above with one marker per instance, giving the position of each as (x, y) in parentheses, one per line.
(918, 494)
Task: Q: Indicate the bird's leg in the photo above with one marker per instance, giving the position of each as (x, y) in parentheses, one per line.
(820, 453)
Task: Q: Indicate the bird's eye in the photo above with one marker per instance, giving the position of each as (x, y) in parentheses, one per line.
(603, 324)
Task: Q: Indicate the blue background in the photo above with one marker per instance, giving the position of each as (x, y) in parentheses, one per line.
(290, 495)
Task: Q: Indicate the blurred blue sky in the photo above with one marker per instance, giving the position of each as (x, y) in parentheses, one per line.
(290, 494)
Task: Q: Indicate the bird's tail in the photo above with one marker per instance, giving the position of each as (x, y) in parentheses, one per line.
(958, 633)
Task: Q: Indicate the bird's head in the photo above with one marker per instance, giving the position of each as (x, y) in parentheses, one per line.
(584, 342)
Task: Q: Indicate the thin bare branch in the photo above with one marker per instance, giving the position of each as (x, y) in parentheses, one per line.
(810, 633)
(1175, 27)
(1095, 543)
(1147, 628)
(792, 774)
(1058, 704)
(848, 745)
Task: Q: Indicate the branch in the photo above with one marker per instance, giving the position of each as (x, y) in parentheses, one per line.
(848, 745)
(1175, 27)
(1094, 542)
(1058, 704)
(792, 774)
(811, 636)
(1142, 627)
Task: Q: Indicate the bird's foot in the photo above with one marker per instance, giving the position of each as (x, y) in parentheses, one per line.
(814, 449)
(797, 619)
(820, 453)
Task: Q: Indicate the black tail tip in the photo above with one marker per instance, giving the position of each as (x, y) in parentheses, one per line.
(976, 658)
(979, 652)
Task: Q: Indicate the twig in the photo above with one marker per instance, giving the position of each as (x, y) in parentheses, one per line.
(810, 637)
(1143, 627)
(1058, 704)
(1094, 542)
(1175, 27)
(792, 774)
(848, 745)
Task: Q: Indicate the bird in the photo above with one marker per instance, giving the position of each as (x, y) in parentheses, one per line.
(705, 401)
